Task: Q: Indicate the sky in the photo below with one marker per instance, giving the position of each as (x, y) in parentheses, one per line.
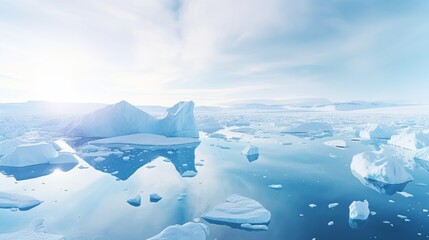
(158, 52)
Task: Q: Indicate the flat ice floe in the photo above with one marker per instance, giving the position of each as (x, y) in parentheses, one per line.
(312, 129)
(410, 140)
(187, 231)
(376, 132)
(238, 210)
(359, 210)
(13, 200)
(379, 167)
(35, 231)
(146, 139)
(336, 143)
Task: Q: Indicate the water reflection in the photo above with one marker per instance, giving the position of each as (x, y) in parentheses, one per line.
(125, 165)
(381, 187)
(35, 171)
(357, 223)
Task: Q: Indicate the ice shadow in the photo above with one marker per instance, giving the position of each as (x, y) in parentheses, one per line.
(35, 171)
(381, 187)
(123, 166)
(357, 223)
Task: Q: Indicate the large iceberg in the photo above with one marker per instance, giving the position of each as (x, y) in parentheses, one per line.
(379, 167)
(238, 210)
(422, 158)
(36, 231)
(376, 132)
(13, 200)
(187, 231)
(312, 129)
(40, 153)
(125, 119)
(410, 140)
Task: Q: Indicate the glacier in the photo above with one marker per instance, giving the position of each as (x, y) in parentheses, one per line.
(123, 118)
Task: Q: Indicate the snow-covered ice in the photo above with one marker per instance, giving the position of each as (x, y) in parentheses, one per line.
(187, 231)
(379, 167)
(135, 201)
(14, 200)
(410, 140)
(376, 131)
(336, 143)
(35, 231)
(359, 210)
(254, 226)
(125, 119)
(330, 223)
(405, 194)
(312, 205)
(275, 186)
(146, 139)
(238, 209)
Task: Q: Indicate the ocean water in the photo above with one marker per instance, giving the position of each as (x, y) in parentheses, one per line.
(89, 200)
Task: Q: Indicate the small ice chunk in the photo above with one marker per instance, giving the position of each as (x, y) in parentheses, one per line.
(373, 213)
(312, 205)
(336, 143)
(359, 210)
(13, 200)
(330, 223)
(99, 159)
(275, 186)
(239, 209)
(135, 201)
(126, 158)
(332, 205)
(402, 216)
(190, 230)
(376, 131)
(254, 226)
(425, 210)
(405, 194)
(250, 150)
(35, 231)
(155, 197)
(189, 173)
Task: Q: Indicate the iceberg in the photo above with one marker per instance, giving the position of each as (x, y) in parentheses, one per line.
(410, 140)
(135, 201)
(125, 119)
(250, 150)
(376, 132)
(379, 167)
(13, 200)
(40, 153)
(422, 158)
(7, 146)
(187, 231)
(359, 210)
(312, 129)
(145, 139)
(35, 231)
(336, 143)
(238, 210)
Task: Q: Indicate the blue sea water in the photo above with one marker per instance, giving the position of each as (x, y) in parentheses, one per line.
(89, 200)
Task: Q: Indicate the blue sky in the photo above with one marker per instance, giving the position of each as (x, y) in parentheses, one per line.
(163, 51)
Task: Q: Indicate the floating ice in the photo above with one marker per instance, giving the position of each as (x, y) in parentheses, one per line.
(359, 210)
(187, 231)
(312, 129)
(330, 223)
(124, 119)
(336, 143)
(189, 173)
(332, 205)
(238, 210)
(154, 197)
(379, 167)
(254, 227)
(38, 153)
(35, 231)
(275, 186)
(312, 205)
(405, 194)
(376, 131)
(410, 140)
(135, 201)
(146, 139)
(250, 150)
(13, 200)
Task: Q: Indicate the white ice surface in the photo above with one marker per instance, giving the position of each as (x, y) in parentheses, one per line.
(410, 140)
(250, 150)
(187, 231)
(376, 131)
(239, 209)
(336, 143)
(135, 201)
(7, 146)
(13, 200)
(359, 210)
(146, 139)
(35, 231)
(379, 167)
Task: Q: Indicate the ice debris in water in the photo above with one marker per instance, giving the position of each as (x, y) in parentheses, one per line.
(275, 186)
(135, 201)
(336, 143)
(154, 197)
(250, 150)
(187, 231)
(359, 210)
(332, 205)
